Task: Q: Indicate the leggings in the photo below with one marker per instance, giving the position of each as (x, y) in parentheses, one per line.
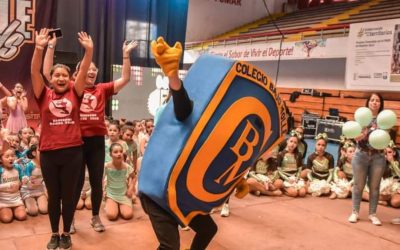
(93, 158)
(61, 171)
(371, 168)
(166, 227)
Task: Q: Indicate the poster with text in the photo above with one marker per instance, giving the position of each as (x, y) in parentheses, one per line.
(300, 50)
(373, 56)
(18, 22)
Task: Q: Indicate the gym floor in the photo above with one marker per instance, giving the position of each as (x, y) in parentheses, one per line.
(255, 223)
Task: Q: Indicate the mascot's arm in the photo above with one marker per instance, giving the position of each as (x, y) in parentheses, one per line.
(168, 59)
(242, 189)
(182, 104)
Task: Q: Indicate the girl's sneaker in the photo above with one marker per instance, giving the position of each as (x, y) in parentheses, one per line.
(374, 220)
(65, 242)
(54, 242)
(396, 221)
(96, 224)
(353, 217)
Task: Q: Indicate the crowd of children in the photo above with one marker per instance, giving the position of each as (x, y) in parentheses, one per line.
(23, 191)
(283, 171)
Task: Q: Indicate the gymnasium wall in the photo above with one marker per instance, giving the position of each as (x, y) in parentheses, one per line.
(218, 16)
(310, 73)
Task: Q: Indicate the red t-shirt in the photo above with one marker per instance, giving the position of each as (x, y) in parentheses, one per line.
(92, 109)
(59, 115)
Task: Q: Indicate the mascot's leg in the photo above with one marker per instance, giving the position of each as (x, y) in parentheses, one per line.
(205, 229)
(164, 225)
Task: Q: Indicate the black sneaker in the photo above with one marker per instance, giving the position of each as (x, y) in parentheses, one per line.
(54, 241)
(65, 242)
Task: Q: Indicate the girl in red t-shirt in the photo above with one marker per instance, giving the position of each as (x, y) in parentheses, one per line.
(93, 124)
(61, 155)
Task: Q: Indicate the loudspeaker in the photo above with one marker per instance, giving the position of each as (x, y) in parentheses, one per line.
(309, 123)
(332, 128)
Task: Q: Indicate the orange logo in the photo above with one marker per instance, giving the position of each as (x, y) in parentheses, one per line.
(218, 139)
(244, 118)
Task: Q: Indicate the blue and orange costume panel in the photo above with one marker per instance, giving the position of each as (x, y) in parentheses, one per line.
(193, 166)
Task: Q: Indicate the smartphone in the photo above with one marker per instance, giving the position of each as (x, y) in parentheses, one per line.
(57, 32)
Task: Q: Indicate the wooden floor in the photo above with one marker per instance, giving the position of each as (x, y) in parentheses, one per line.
(255, 223)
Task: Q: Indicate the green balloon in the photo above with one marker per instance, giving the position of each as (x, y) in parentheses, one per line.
(379, 139)
(363, 116)
(351, 129)
(386, 119)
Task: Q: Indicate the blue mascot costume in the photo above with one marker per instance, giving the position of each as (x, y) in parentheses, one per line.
(224, 116)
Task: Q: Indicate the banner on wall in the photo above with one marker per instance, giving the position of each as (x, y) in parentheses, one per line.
(17, 29)
(373, 60)
(306, 49)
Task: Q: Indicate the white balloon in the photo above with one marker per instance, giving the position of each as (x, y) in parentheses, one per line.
(363, 116)
(386, 119)
(379, 139)
(351, 129)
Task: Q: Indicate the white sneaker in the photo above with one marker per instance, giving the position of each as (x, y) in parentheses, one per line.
(225, 210)
(396, 221)
(374, 220)
(353, 217)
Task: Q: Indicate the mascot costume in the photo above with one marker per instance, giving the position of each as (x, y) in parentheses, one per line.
(221, 119)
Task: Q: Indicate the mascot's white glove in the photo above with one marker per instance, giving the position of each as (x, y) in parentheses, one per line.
(167, 57)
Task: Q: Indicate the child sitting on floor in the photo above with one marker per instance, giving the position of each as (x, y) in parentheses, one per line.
(119, 186)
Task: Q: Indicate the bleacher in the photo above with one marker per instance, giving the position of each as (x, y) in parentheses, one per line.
(386, 9)
(302, 19)
(346, 101)
(319, 22)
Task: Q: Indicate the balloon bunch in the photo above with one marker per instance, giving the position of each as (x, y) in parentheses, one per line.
(379, 138)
